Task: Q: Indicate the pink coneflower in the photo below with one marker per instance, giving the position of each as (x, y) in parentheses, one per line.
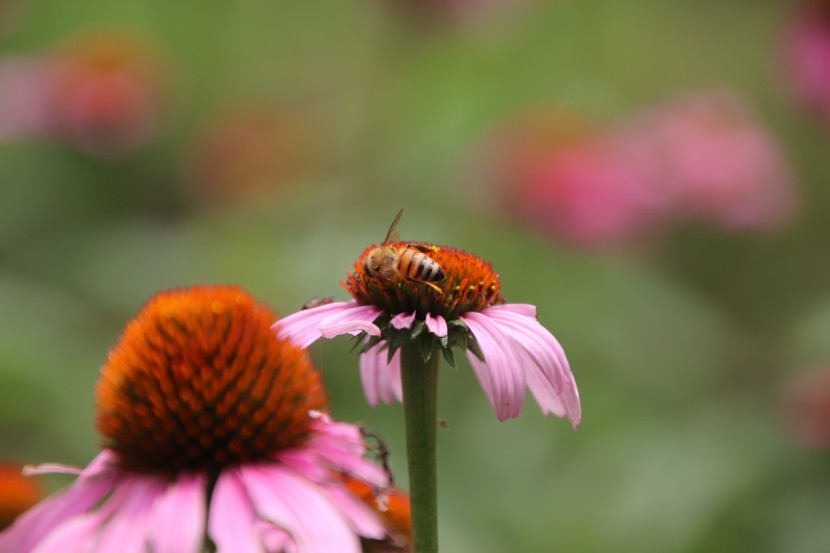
(713, 160)
(214, 441)
(559, 174)
(507, 347)
(107, 94)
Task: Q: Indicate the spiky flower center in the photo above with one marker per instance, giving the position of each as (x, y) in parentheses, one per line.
(470, 284)
(198, 381)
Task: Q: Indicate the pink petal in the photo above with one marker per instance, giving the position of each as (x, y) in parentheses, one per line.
(132, 504)
(505, 385)
(437, 325)
(178, 522)
(231, 522)
(381, 380)
(545, 352)
(544, 394)
(300, 508)
(545, 356)
(35, 524)
(524, 309)
(74, 536)
(402, 320)
(341, 446)
(304, 327)
(363, 520)
(273, 538)
(349, 327)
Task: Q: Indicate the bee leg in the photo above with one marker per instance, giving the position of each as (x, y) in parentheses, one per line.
(434, 287)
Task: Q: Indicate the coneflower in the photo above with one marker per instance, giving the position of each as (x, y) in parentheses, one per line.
(215, 439)
(414, 300)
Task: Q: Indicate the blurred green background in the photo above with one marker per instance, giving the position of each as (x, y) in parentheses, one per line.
(683, 353)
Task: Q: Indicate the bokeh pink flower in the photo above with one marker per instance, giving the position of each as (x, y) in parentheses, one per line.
(713, 161)
(702, 158)
(101, 93)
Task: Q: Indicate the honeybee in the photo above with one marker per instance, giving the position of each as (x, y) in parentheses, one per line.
(410, 261)
(317, 301)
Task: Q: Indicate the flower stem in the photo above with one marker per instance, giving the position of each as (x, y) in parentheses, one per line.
(420, 395)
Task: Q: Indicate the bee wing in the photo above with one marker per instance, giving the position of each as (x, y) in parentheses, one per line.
(393, 233)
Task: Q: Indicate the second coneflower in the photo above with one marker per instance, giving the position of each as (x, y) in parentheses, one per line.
(507, 347)
(214, 440)
(412, 300)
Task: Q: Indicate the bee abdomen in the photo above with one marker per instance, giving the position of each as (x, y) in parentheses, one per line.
(419, 266)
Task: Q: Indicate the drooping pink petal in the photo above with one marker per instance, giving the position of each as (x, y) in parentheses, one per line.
(273, 538)
(545, 356)
(437, 325)
(381, 380)
(526, 309)
(231, 522)
(402, 320)
(300, 508)
(561, 405)
(502, 363)
(544, 394)
(362, 519)
(341, 446)
(178, 521)
(546, 353)
(74, 536)
(35, 524)
(306, 326)
(132, 505)
(349, 327)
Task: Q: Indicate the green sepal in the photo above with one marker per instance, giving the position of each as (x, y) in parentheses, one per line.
(448, 356)
(472, 345)
(417, 328)
(427, 346)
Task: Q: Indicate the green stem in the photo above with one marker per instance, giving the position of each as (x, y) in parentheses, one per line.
(420, 395)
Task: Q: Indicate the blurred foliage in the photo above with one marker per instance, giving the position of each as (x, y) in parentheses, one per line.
(682, 352)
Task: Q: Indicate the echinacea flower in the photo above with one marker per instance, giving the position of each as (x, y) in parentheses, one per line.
(507, 347)
(17, 493)
(214, 440)
(713, 159)
(562, 174)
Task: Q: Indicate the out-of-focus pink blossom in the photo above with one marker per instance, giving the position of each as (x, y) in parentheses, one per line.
(714, 161)
(576, 184)
(102, 94)
(108, 94)
(806, 53)
(807, 408)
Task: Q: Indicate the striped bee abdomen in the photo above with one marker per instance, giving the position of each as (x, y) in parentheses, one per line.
(416, 265)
